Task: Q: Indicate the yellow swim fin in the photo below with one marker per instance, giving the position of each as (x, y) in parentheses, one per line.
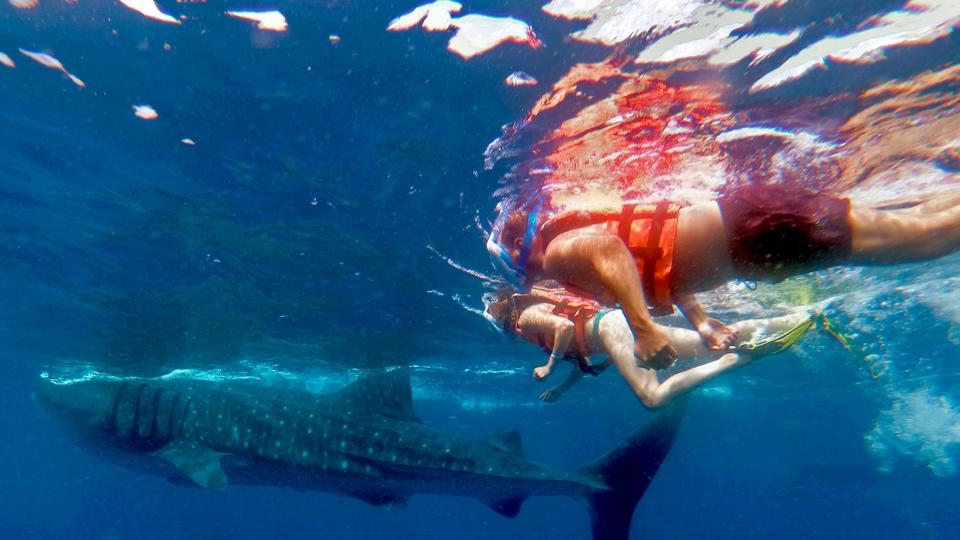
(778, 343)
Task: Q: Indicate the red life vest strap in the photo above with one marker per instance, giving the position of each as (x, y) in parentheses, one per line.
(578, 316)
(647, 256)
(650, 253)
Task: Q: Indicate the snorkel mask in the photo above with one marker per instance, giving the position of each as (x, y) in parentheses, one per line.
(489, 300)
(514, 271)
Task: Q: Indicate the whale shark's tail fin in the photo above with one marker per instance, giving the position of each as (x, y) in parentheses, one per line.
(628, 469)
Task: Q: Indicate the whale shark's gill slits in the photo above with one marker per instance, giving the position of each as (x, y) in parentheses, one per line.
(183, 417)
(157, 396)
(135, 423)
(114, 423)
(171, 420)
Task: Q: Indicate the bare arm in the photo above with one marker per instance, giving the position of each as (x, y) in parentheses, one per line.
(602, 264)
(538, 319)
(554, 393)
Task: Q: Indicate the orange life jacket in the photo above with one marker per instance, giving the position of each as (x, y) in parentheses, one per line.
(648, 230)
(575, 308)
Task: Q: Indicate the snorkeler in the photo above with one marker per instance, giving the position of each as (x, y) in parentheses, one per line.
(574, 328)
(661, 254)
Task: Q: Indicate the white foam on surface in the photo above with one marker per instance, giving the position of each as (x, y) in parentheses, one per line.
(708, 32)
(435, 17)
(49, 61)
(473, 34)
(573, 9)
(615, 21)
(759, 45)
(273, 21)
(150, 10)
(921, 22)
(477, 34)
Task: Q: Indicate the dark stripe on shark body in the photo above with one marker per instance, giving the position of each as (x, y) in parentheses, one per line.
(135, 423)
(183, 417)
(115, 410)
(173, 414)
(157, 395)
(142, 406)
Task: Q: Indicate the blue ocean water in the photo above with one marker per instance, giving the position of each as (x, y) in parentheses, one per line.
(290, 242)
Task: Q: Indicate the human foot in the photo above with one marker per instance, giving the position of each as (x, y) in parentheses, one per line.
(717, 336)
(780, 342)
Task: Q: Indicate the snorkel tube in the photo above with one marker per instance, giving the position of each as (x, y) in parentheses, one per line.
(515, 272)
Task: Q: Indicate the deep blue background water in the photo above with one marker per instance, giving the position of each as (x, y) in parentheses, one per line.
(294, 235)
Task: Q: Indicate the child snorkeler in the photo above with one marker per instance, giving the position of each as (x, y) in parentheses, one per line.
(572, 327)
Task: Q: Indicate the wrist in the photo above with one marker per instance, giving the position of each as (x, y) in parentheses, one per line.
(642, 324)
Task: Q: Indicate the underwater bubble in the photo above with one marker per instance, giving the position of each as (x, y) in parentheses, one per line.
(145, 112)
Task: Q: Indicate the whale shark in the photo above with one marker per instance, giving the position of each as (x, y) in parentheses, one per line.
(362, 441)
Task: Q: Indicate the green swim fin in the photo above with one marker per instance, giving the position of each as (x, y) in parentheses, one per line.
(778, 343)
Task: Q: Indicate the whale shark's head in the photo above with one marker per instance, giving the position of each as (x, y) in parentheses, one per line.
(84, 407)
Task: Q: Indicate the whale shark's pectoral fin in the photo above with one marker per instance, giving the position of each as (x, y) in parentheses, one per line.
(509, 507)
(196, 462)
(381, 498)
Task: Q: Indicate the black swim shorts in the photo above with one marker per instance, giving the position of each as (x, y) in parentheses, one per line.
(778, 231)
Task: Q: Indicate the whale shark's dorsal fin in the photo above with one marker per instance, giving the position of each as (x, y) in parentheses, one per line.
(508, 441)
(387, 393)
(196, 462)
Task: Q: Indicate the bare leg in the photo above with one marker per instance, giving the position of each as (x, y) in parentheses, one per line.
(602, 264)
(920, 233)
(943, 200)
(689, 345)
(618, 343)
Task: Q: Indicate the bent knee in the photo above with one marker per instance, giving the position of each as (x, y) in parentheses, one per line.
(652, 400)
(609, 248)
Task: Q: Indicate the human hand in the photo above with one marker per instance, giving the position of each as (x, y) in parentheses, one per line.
(542, 372)
(717, 336)
(550, 395)
(653, 350)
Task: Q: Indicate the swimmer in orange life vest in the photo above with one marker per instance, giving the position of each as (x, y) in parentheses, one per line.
(659, 255)
(574, 328)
